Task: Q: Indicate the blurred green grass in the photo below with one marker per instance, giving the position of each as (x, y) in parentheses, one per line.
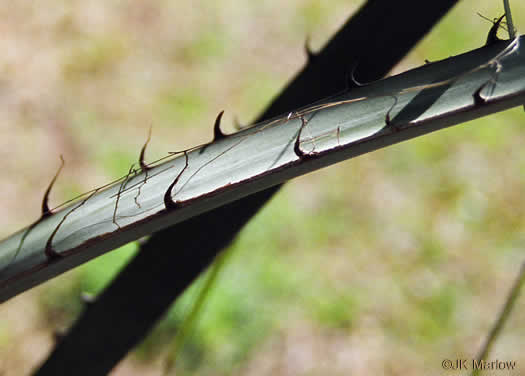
(399, 258)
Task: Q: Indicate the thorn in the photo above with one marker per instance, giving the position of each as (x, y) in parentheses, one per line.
(388, 119)
(144, 167)
(51, 254)
(168, 200)
(492, 37)
(308, 51)
(297, 146)
(217, 133)
(46, 212)
(389, 123)
(493, 20)
(478, 99)
(351, 76)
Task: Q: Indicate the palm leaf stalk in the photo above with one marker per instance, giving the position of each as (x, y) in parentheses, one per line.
(174, 189)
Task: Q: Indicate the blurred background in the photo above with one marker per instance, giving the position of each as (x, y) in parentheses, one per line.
(384, 264)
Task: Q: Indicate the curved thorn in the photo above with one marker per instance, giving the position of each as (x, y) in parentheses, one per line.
(297, 146)
(494, 20)
(51, 254)
(388, 120)
(45, 201)
(492, 37)
(168, 200)
(46, 212)
(217, 133)
(478, 99)
(144, 167)
(352, 75)
(308, 51)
